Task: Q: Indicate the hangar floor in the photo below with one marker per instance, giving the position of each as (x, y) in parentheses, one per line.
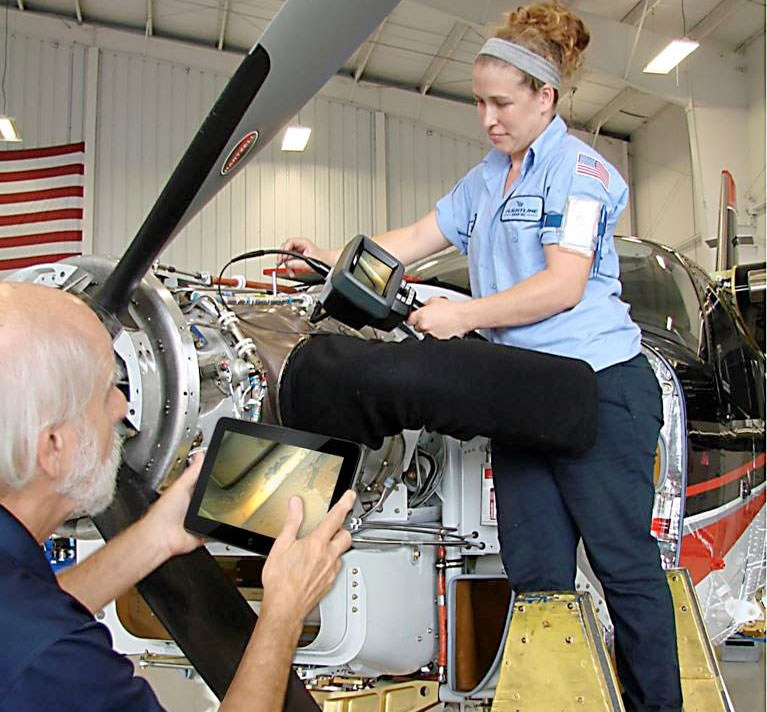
(745, 682)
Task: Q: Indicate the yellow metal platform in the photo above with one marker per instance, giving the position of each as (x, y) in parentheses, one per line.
(413, 696)
(555, 658)
(702, 685)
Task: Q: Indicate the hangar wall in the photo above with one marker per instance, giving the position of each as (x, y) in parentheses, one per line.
(423, 164)
(137, 110)
(45, 90)
(662, 173)
(148, 112)
(755, 186)
(670, 207)
(378, 157)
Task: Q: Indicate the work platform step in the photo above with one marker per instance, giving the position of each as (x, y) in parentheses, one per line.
(702, 684)
(555, 658)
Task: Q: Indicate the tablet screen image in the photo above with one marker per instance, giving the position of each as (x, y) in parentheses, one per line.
(252, 479)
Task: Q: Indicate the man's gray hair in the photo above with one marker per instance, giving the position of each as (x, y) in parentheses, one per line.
(46, 379)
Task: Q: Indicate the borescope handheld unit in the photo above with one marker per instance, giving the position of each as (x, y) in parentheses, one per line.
(365, 288)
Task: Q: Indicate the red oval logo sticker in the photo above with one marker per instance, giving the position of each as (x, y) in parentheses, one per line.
(239, 152)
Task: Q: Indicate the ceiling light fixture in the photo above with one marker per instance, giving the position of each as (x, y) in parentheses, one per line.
(671, 55)
(8, 129)
(296, 138)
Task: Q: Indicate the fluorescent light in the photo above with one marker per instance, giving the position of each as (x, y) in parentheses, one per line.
(674, 52)
(296, 138)
(8, 129)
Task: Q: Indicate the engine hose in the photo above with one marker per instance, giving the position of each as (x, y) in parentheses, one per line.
(383, 541)
(441, 614)
(443, 536)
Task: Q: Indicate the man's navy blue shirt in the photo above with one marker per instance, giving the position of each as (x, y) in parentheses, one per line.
(54, 655)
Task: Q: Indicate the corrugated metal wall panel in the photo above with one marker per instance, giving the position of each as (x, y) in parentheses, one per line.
(44, 90)
(423, 165)
(148, 112)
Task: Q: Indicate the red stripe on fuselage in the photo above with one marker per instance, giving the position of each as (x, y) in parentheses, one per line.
(704, 549)
(726, 478)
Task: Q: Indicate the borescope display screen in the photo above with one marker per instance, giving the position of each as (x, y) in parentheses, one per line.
(372, 272)
(251, 480)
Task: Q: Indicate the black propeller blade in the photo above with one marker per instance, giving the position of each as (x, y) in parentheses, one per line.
(300, 50)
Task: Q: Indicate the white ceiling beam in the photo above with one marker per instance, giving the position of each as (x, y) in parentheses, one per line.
(743, 46)
(620, 101)
(369, 46)
(714, 18)
(635, 13)
(78, 11)
(223, 10)
(709, 75)
(149, 31)
(445, 52)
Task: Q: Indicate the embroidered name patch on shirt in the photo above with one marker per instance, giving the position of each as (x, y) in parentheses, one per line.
(528, 208)
(590, 166)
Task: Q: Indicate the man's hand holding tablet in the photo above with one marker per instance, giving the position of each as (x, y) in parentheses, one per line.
(252, 471)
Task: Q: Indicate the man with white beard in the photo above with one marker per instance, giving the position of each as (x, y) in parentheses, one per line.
(58, 456)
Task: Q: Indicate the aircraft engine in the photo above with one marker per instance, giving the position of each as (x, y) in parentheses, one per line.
(186, 360)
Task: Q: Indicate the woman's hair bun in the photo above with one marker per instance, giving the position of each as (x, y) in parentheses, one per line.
(551, 30)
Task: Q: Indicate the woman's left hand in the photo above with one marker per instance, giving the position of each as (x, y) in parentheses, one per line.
(441, 318)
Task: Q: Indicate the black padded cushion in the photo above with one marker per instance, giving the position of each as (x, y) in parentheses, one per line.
(365, 390)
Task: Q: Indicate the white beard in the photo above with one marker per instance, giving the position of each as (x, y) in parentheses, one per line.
(91, 483)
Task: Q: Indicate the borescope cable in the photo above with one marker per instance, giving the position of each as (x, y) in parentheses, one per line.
(317, 265)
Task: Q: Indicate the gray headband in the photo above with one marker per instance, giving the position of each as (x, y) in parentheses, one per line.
(522, 58)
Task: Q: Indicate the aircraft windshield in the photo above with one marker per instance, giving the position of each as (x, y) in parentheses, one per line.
(660, 292)
(656, 284)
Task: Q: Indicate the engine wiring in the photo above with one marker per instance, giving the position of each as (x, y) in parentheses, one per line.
(388, 488)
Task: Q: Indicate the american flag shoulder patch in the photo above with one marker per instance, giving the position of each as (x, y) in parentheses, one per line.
(590, 166)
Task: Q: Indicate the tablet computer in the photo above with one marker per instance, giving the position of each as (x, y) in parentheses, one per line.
(252, 469)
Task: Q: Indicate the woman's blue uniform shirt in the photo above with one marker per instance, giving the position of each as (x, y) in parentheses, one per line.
(504, 235)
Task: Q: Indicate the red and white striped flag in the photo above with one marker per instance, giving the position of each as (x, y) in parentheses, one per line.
(41, 205)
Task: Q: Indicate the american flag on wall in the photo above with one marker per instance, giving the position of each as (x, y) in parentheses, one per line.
(41, 205)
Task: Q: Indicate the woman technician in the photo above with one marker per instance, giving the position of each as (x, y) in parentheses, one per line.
(536, 219)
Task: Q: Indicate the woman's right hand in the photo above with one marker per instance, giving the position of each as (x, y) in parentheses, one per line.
(308, 248)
